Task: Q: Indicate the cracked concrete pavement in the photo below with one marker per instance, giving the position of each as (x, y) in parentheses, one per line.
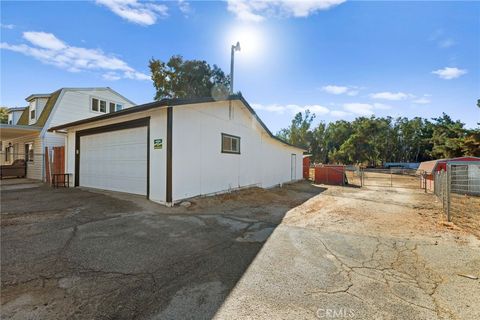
(373, 253)
(298, 252)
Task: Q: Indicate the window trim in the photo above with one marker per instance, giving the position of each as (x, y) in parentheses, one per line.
(107, 105)
(98, 104)
(34, 113)
(229, 136)
(29, 159)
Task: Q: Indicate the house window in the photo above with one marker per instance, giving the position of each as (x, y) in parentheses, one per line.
(230, 144)
(103, 106)
(32, 114)
(99, 105)
(9, 121)
(94, 104)
(29, 152)
(113, 107)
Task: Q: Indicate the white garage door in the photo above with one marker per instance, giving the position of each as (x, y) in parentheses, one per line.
(115, 160)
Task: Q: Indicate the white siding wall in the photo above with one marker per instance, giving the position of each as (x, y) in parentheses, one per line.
(199, 167)
(75, 105)
(16, 116)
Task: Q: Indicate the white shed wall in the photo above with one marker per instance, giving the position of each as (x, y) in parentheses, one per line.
(199, 166)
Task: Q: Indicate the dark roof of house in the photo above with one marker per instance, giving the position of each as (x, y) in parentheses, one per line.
(42, 119)
(16, 109)
(172, 102)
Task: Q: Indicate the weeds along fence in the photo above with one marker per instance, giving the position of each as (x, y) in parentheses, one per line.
(459, 190)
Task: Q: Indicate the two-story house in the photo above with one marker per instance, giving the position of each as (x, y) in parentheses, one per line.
(25, 136)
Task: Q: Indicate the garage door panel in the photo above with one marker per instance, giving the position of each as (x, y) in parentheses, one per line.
(115, 160)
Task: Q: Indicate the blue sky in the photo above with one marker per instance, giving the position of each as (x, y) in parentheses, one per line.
(338, 59)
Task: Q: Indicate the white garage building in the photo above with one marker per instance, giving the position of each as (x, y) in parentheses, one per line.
(175, 149)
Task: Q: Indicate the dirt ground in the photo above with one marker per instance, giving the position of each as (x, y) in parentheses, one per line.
(297, 252)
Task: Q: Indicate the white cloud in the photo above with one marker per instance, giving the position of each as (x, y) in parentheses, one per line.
(394, 96)
(446, 43)
(381, 106)
(334, 89)
(340, 113)
(143, 13)
(363, 109)
(291, 108)
(449, 73)
(422, 100)
(48, 49)
(7, 26)
(184, 7)
(441, 39)
(258, 10)
(44, 40)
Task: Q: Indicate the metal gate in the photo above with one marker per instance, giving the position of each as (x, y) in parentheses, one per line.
(393, 177)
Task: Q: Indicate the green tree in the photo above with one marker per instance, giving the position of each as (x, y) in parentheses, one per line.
(3, 115)
(179, 78)
(471, 143)
(447, 137)
(299, 132)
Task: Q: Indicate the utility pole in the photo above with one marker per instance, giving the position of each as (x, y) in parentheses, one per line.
(232, 59)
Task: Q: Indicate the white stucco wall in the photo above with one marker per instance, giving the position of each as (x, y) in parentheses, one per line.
(199, 166)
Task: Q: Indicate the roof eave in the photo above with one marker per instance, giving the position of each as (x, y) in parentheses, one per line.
(174, 102)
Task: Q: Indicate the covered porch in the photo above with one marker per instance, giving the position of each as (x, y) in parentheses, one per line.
(21, 145)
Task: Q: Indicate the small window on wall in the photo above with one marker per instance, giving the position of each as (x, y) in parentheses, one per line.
(95, 104)
(103, 106)
(113, 107)
(32, 114)
(230, 144)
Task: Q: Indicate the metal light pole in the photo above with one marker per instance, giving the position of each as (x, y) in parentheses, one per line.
(234, 48)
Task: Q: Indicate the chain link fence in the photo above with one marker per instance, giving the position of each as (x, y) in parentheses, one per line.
(459, 190)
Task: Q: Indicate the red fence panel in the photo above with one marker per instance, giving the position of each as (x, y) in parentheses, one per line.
(306, 168)
(330, 174)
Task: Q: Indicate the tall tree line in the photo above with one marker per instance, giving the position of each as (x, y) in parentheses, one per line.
(372, 140)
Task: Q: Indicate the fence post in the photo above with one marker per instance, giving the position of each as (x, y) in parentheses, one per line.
(448, 188)
(391, 178)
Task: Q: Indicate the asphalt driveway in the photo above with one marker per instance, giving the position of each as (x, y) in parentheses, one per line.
(298, 252)
(72, 253)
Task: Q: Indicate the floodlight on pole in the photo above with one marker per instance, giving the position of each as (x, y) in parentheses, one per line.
(234, 48)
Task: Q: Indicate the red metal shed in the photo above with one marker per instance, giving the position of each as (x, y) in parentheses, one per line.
(330, 174)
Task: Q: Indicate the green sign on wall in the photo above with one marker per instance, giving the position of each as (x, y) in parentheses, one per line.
(157, 143)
